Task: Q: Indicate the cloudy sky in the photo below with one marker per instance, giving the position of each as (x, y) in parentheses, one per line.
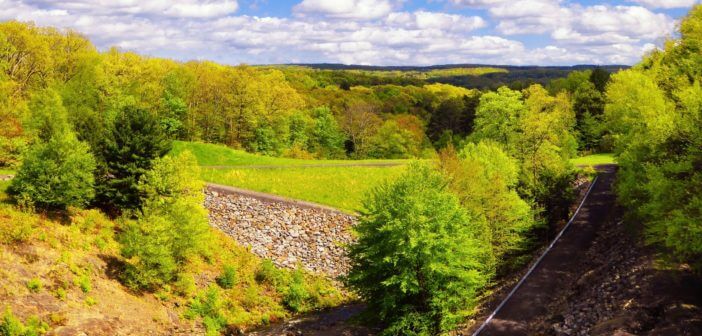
(379, 32)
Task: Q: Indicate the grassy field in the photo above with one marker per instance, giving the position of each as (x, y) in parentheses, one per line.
(594, 159)
(342, 187)
(7, 172)
(328, 182)
(339, 187)
(219, 155)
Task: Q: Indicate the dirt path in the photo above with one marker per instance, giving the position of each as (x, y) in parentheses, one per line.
(562, 266)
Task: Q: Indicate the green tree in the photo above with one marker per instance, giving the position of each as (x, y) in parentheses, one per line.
(588, 104)
(327, 138)
(48, 115)
(421, 259)
(599, 78)
(393, 142)
(172, 226)
(57, 174)
(485, 178)
(57, 171)
(497, 115)
(134, 141)
(654, 114)
(454, 114)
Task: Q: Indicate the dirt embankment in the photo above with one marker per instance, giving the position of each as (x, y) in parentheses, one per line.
(601, 279)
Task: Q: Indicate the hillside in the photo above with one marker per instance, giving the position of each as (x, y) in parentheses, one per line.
(62, 273)
(472, 76)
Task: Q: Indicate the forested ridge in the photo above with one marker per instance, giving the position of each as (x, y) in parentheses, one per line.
(90, 135)
(282, 110)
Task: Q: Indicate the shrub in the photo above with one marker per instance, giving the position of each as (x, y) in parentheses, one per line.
(228, 278)
(419, 252)
(267, 273)
(146, 242)
(185, 285)
(12, 326)
(56, 174)
(15, 226)
(297, 297)
(209, 306)
(84, 283)
(172, 226)
(34, 285)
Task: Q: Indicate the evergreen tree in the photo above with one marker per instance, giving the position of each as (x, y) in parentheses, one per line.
(135, 139)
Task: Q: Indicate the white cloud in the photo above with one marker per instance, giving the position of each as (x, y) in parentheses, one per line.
(632, 21)
(433, 20)
(173, 8)
(667, 3)
(363, 32)
(346, 9)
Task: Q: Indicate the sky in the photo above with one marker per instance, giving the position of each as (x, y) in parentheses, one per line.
(370, 32)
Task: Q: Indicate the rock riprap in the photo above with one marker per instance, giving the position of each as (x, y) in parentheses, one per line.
(283, 232)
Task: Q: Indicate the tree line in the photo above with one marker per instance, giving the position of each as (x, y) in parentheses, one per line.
(273, 110)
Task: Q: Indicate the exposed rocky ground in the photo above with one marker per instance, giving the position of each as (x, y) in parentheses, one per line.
(626, 292)
(285, 233)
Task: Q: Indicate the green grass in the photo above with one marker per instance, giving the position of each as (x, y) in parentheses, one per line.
(594, 159)
(7, 172)
(219, 155)
(339, 187)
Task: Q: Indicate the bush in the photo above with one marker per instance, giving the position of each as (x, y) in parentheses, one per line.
(56, 174)
(228, 278)
(34, 285)
(146, 243)
(419, 253)
(297, 297)
(84, 283)
(15, 226)
(209, 306)
(267, 273)
(172, 226)
(12, 326)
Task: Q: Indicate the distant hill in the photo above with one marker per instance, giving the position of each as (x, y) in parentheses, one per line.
(473, 76)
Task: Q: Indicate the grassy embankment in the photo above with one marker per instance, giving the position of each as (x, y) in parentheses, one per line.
(327, 183)
(594, 159)
(60, 272)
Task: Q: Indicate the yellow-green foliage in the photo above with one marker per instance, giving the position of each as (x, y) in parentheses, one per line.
(485, 179)
(12, 326)
(654, 114)
(458, 72)
(421, 259)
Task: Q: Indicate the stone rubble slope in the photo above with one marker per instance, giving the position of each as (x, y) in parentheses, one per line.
(287, 234)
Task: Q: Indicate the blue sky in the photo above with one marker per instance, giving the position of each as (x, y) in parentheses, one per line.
(378, 32)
